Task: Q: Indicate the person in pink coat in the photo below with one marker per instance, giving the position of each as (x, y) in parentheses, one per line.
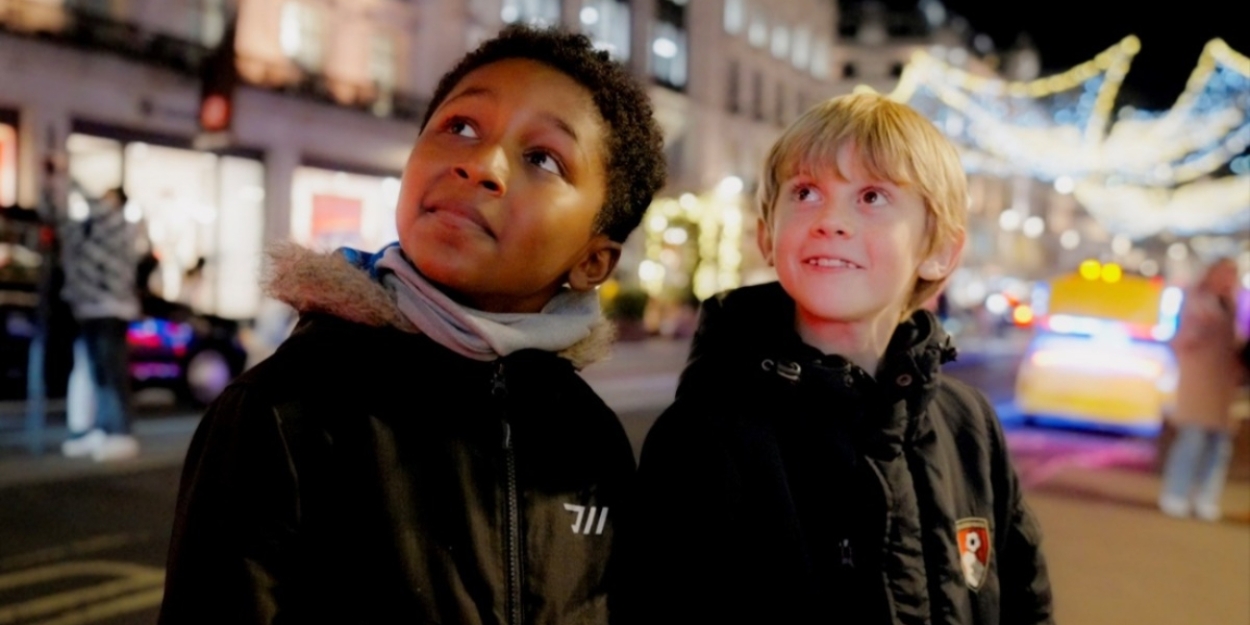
(1206, 347)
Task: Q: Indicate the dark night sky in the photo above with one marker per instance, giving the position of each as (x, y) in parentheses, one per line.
(1068, 32)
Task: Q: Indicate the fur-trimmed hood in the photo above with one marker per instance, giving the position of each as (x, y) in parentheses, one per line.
(326, 282)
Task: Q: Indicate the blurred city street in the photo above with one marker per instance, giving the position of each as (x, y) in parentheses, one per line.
(82, 542)
(1106, 150)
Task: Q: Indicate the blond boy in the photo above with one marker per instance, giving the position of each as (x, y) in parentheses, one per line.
(817, 466)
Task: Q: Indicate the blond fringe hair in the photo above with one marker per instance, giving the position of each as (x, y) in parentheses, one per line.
(893, 142)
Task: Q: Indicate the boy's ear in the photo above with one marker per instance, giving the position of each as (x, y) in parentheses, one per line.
(764, 239)
(941, 261)
(596, 263)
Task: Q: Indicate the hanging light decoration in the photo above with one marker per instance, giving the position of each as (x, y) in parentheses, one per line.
(1139, 174)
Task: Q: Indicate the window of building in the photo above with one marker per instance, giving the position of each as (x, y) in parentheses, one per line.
(733, 102)
(801, 48)
(607, 22)
(757, 95)
(848, 70)
(189, 205)
(536, 12)
(820, 58)
(669, 52)
(209, 22)
(331, 208)
(302, 34)
(780, 41)
(757, 33)
(779, 108)
(382, 68)
(735, 16)
(896, 69)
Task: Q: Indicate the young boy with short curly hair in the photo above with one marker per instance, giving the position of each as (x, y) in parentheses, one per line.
(421, 449)
(816, 465)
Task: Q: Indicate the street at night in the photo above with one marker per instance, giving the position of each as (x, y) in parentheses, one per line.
(1050, 201)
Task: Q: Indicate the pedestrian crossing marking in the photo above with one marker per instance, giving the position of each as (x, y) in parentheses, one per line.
(128, 588)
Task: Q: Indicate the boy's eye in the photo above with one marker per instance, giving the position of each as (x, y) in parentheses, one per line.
(805, 193)
(873, 197)
(459, 126)
(544, 160)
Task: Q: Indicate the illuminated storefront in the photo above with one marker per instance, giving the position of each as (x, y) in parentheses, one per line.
(190, 205)
(332, 208)
(8, 158)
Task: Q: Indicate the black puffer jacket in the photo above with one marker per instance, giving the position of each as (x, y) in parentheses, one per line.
(784, 486)
(364, 474)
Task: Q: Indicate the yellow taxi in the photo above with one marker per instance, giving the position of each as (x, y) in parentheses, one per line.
(1099, 357)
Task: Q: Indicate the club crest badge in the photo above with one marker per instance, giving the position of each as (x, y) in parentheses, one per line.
(973, 536)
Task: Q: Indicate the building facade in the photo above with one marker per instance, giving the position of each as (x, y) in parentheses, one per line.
(328, 105)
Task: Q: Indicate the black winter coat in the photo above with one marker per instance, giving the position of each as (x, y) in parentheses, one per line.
(363, 474)
(784, 486)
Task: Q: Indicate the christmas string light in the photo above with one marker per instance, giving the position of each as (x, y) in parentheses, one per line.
(1141, 174)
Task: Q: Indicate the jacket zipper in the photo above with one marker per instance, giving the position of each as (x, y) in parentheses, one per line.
(499, 389)
(848, 557)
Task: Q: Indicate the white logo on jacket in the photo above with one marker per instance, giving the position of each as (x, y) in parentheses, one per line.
(595, 511)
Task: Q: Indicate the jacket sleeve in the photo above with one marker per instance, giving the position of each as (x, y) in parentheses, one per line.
(236, 513)
(1023, 577)
(672, 555)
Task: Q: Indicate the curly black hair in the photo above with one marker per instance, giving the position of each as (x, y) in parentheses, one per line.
(635, 147)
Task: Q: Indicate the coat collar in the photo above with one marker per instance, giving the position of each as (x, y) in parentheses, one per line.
(343, 284)
(752, 327)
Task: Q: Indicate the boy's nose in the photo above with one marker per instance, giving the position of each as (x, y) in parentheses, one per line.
(486, 168)
(833, 222)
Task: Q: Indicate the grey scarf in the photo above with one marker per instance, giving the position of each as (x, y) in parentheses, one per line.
(481, 335)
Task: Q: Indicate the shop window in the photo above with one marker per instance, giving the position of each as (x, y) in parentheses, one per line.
(331, 209)
(607, 23)
(189, 206)
(536, 12)
(197, 207)
(8, 165)
(237, 250)
(668, 48)
(95, 166)
(302, 34)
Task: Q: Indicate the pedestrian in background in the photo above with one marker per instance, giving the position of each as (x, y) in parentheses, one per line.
(100, 265)
(1206, 349)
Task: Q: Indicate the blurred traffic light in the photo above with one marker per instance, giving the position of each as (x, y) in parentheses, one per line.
(219, 76)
